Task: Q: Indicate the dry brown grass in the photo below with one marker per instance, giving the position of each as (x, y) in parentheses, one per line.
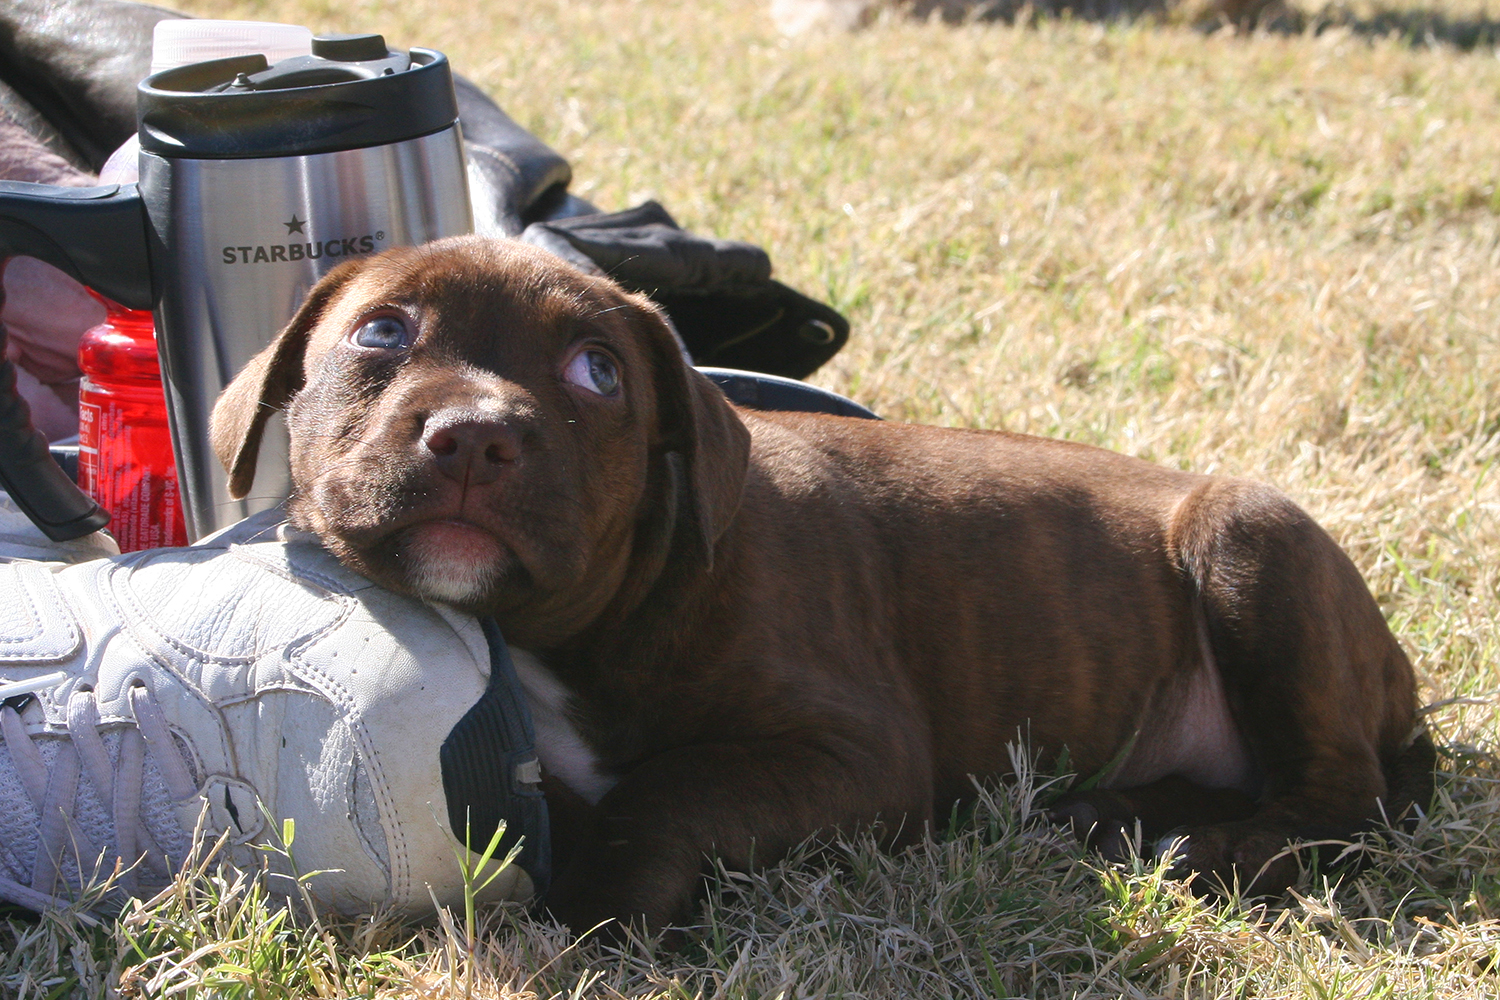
(1271, 255)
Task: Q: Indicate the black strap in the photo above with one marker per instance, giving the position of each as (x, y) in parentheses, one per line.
(759, 391)
(491, 772)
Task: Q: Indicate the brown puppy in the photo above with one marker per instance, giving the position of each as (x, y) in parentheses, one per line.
(748, 627)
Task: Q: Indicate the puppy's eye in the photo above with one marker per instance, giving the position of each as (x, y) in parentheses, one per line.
(594, 371)
(385, 332)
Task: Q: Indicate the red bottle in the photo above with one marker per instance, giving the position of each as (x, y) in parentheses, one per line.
(124, 448)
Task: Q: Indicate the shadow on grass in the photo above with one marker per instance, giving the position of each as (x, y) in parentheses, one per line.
(1415, 26)
(1418, 27)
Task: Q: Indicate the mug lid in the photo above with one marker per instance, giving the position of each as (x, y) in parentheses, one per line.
(243, 107)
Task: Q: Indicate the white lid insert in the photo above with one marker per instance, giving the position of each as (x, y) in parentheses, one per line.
(178, 42)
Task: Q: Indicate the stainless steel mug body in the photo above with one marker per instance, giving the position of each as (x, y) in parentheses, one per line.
(237, 245)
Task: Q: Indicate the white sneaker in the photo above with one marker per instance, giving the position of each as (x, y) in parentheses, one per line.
(247, 677)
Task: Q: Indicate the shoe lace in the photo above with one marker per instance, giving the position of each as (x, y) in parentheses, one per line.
(53, 790)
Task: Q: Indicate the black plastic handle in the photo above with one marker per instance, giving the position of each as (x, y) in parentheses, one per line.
(97, 235)
(34, 481)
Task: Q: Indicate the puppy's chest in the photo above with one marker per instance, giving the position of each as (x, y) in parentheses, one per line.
(560, 744)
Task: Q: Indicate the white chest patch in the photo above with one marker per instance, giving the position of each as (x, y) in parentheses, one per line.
(562, 751)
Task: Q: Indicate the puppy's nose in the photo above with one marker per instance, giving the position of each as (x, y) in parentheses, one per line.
(475, 450)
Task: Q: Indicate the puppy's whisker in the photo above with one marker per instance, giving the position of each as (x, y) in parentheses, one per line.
(340, 466)
(334, 437)
(251, 498)
(626, 260)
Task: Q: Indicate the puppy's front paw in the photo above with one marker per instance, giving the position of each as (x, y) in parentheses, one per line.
(1101, 820)
(609, 887)
(1244, 859)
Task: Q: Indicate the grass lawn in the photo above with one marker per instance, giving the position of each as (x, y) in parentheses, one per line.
(1273, 255)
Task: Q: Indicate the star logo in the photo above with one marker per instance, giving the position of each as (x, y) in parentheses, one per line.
(295, 226)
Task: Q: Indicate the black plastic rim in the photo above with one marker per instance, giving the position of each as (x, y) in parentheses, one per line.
(178, 118)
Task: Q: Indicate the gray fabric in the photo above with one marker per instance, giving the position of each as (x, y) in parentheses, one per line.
(26, 157)
(17, 112)
(76, 62)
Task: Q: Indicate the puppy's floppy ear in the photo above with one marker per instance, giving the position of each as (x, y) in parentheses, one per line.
(703, 438)
(266, 384)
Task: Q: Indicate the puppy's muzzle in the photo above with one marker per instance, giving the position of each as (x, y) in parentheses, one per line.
(470, 449)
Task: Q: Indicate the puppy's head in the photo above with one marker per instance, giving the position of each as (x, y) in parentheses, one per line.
(476, 422)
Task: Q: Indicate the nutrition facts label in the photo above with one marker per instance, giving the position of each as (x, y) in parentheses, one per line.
(115, 429)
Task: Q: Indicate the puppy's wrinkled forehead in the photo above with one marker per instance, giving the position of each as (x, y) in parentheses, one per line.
(482, 301)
